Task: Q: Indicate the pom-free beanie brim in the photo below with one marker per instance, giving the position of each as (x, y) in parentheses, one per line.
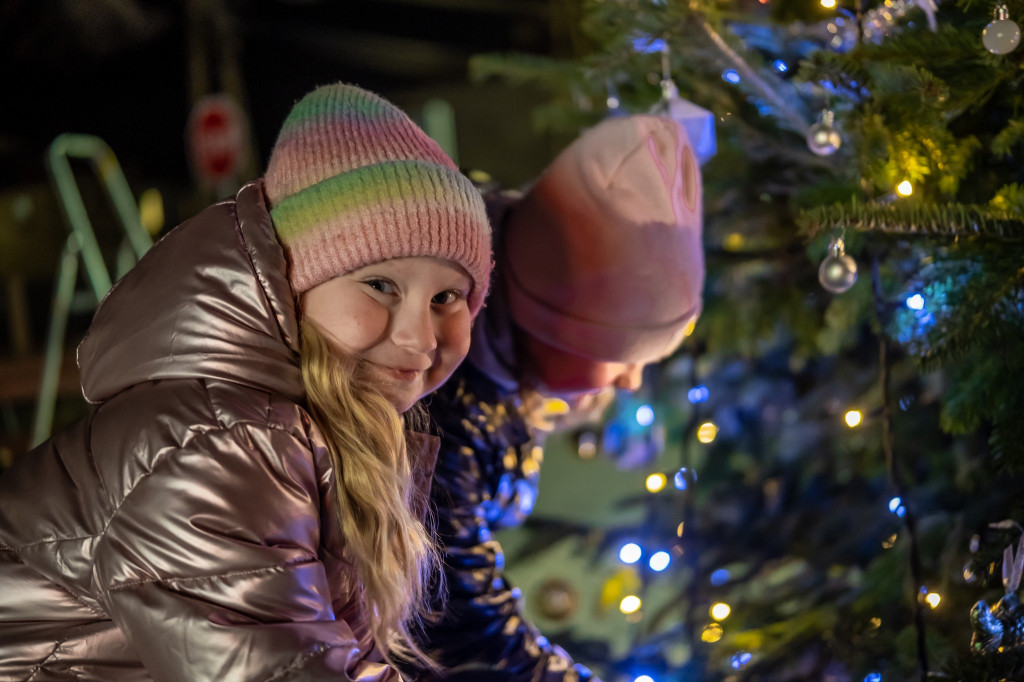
(353, 181)
(387, 210)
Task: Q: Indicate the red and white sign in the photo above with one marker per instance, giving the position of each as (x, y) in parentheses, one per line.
(217, 133)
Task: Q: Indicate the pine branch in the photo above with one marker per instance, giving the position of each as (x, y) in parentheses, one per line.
(903, 218)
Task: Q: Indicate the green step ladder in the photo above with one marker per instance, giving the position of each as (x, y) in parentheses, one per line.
(82, 245)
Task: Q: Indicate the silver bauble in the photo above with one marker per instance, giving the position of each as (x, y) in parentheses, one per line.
(838, 272)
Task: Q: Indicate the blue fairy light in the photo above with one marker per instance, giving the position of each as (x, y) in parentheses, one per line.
(731, 76)
(720, 577)
(645, 415)
(643, 678)
(894, 504)
(659, 561)
(901, 511)
(698, 394)
(873, 677)
(740, 659)
(646, 44)
(915, 302)
(684, 478)
(630, 553)
(780, 66)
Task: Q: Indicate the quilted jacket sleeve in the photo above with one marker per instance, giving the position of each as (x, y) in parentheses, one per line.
(486, 477)
(210, 565)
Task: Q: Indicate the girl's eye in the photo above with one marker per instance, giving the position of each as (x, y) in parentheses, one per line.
(446, 297)
(381, 285)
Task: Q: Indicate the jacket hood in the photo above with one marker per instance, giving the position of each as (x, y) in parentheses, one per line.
(210, 300)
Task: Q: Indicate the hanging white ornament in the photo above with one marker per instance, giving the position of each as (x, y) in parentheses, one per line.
(822, 137)
(838, 272)
(698, 122)
(1002, 35)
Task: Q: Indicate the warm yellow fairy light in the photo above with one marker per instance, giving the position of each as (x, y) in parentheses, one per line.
(711, 633)
(720, 611)
(828, 4)
(690, 326)
(905, 189)
(707, 432)
(734, 241)
(151, 210)
(630, 604)
(853, 418)
(656, 482)
(933, 599)
(555, 406)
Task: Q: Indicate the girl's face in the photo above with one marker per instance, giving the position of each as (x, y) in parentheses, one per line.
(556, 373)
(406, 320)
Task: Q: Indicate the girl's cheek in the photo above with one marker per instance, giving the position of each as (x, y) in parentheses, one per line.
(364, 326)
(456, 333)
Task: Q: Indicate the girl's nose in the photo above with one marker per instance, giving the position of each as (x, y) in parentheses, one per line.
(631, 378)
(413, 329)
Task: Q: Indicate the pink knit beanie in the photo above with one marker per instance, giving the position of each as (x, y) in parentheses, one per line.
(603, 257)
(353, 181)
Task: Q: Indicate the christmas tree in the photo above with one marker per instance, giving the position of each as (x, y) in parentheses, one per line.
(826, 475)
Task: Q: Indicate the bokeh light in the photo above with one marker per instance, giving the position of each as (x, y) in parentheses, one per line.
(655, 482)
(630, 604)
(660, 561)
(630, 553)
(706, 432)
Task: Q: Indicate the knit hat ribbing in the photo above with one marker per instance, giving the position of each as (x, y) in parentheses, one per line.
(603, 257)
(353, 181)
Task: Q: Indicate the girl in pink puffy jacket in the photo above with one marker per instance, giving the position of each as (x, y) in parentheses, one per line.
(245, 500)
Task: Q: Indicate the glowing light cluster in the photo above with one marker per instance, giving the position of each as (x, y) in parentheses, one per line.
(853, 418)
(697, 394)
(720, 611)
(740, 659)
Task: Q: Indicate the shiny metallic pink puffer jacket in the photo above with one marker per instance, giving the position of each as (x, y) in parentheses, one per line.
(185, 530)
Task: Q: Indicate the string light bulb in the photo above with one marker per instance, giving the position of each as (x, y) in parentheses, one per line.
(655, 482)
(630, 604)
(720, 611)
(853, 418)
(905, 189)
(706, 432)
(711, 633)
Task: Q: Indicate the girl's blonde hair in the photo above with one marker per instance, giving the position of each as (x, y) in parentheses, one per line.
(378, 501)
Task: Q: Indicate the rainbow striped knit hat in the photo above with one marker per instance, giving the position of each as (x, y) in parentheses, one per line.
(353, 181)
